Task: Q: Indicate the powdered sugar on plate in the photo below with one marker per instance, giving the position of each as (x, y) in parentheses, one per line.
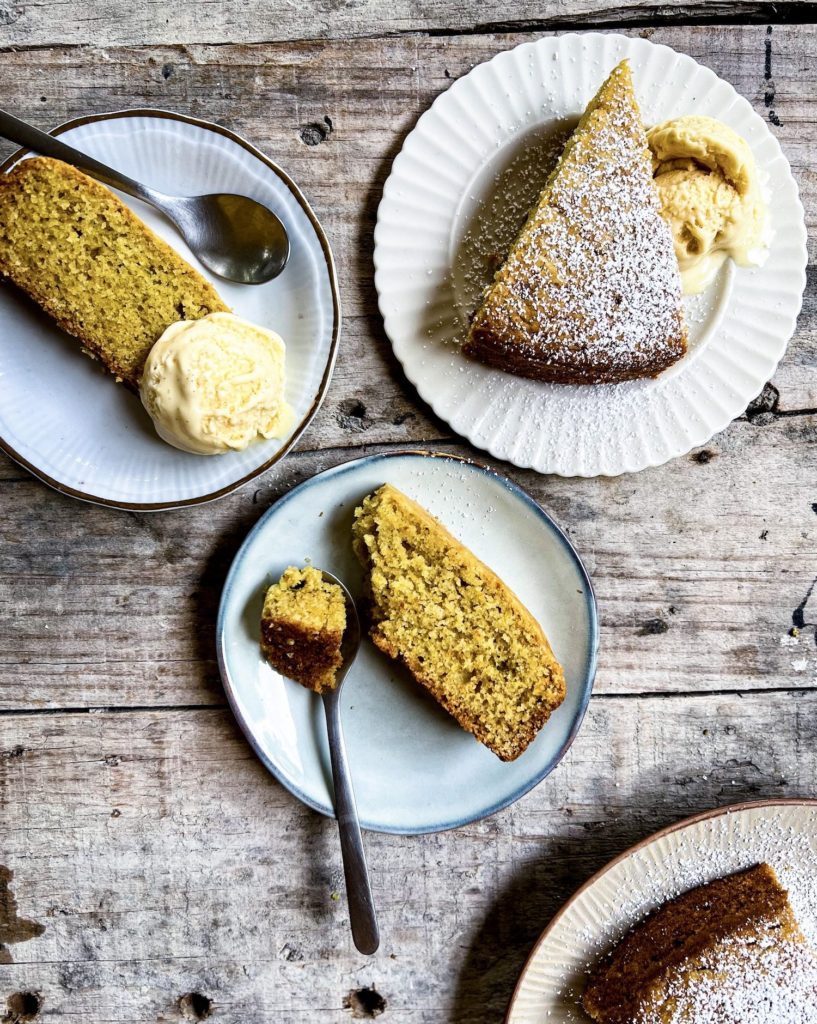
(442, 225)
(742, 982)
(783, 835)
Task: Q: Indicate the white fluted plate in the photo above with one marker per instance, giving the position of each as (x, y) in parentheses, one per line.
(63, 417)
(780, 833)
(459, 190)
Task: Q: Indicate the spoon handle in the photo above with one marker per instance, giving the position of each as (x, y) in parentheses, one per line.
(358, 891)
(15, 130)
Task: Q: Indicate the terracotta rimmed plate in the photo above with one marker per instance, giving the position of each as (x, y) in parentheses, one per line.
(782, 833)
(414, 769)
(459, 190)
(61, 415)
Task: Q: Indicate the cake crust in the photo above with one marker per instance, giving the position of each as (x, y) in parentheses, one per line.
(726, 951)
(590, 291)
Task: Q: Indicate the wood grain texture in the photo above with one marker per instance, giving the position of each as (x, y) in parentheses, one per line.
(113, 23)
(160, 857)
(699, 567)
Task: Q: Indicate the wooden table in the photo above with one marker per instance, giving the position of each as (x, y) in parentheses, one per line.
(159, 873)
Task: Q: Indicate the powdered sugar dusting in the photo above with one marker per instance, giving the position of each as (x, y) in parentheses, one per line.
(790, 850)
(592, 286)
(513, 183)
(784, 836)
(742, 981)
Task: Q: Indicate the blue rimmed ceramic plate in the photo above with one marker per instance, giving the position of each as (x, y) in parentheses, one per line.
(414, 769)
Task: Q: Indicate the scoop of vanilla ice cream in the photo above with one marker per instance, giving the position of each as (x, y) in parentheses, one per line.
(216, 384)
(709, 190)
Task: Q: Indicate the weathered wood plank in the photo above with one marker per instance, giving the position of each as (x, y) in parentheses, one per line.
(109, 23)
(372, 91)
(163, 860)
(699, 566)
(150, 844)
(164, 654)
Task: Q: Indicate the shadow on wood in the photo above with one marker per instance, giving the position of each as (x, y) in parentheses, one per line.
(526, 904)
(364, 273)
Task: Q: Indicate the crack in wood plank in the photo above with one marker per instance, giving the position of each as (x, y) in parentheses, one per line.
(106, 23)
(663, 16)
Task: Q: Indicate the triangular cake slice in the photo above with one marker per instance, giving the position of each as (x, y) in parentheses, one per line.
(590, 291)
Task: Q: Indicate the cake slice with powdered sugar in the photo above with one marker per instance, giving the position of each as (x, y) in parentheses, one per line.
(590, 291)
(728, 952)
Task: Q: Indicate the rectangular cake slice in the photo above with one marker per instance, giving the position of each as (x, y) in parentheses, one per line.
(93, 266)
(590, 291)
(455, 625)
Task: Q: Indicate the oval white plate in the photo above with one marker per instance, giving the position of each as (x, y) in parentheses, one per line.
(414, 769)
(781, 833)
(460, 188)
(62, 416)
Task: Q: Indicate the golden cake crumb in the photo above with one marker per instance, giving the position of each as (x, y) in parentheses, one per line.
(93, 266)
(457, 627)
(302, 626)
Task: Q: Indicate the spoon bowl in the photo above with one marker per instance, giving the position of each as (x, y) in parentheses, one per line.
(234, 236)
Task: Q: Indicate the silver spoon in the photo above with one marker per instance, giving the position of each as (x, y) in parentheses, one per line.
(235, 237)
(358, 891)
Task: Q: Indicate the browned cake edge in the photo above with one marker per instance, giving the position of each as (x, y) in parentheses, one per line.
(525, 736)
(679, 929)
(493, 348)
(490, 349)
(10, 181)
(310, 657)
